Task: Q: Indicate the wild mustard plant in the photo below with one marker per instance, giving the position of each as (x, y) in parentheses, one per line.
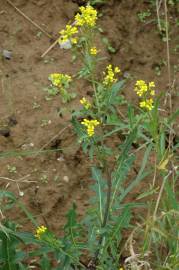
(60, 80)
(80, 38)
(61, 83)
(100, 233)
(156, 127)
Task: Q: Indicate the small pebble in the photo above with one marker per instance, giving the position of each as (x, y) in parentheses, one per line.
(7, 54)
(27, 146)
(66, 45)
(66, 179)
(60, 159)
(21, 193)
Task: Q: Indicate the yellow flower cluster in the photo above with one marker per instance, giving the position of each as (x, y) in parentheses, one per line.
(59, 79)
(67, 34)
(142, 88)
(146, 92)
(88, 16)
(93, 51)
(40, 231)
(85, 103)
(110, 75)
(148, 104)
(90, 125)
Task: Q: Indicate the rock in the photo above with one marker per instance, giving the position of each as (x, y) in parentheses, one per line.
(66, 179)
(7, 54)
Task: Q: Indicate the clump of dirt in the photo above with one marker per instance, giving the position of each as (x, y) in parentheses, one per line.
(29, 121)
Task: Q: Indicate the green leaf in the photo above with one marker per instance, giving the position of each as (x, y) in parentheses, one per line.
(96, 174)
(78, 128)
(147, 193)
(28, 214)
(112, 94)
(8, 247)
(113, 119)
(45, 263)
(141, 174)
(172, 202)
(71, 228)
(121, 221)
(124, 164)
(9, 197)
(131, 116)
(162, 144)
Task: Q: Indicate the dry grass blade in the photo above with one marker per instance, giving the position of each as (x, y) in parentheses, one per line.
(50, 48)
(28, 19)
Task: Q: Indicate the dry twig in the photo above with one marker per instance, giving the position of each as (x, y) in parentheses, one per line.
(17, 181)
(28, 19)
(52, 139)
(50, 48)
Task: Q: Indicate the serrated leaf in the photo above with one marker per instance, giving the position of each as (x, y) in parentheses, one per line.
(111, 98)
(96, 174)
(140, 176)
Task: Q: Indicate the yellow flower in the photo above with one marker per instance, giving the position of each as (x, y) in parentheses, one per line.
(146, 92)
(40, 231)
(87, 16)
(74, 40)
(59, 79)
(147, 104)
(93, 51)
(110, 78)
(69, 31)
(151, 84)
(85, 103)
(152, 92)
(117, 70)
(140, 88)
(90, 125)
(67, 34)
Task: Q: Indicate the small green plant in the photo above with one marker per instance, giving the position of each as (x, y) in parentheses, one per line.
(143, 15)
(60, 83)
(45, 122)
(35, 105)
(44, 178)
(11, 168)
